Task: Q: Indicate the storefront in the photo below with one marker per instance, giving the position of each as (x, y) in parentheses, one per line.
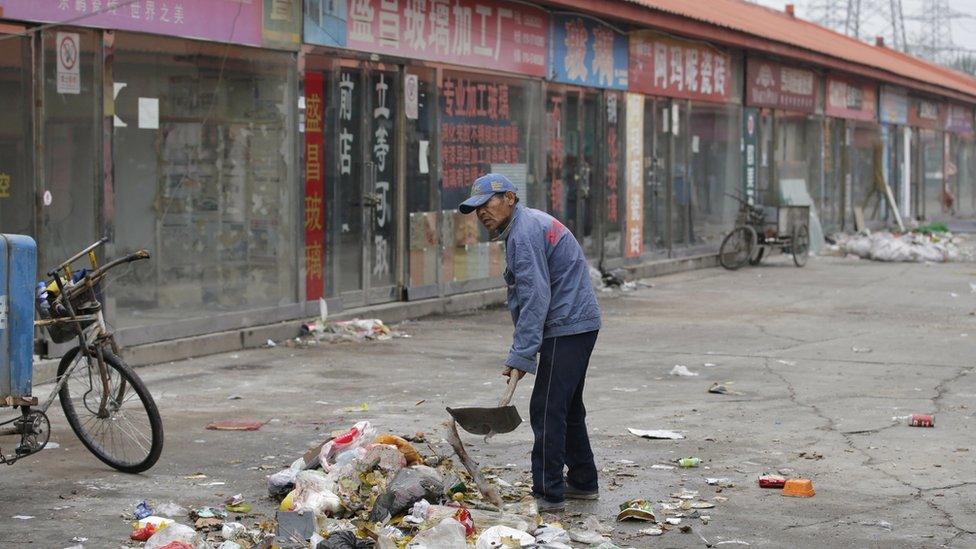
(958, 169)
(853, 103)
(896, 137)
(16, 134)
(692, 138)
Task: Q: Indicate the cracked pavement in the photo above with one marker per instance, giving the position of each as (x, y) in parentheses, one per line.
(830, 359)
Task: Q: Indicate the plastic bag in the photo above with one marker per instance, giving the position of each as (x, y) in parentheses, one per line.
(174, 533)
(410, 485)
(360, 434)
(343, 540)
(409, 452)
(449, 534)
(314, 492)
(503, 536)
(281, 482)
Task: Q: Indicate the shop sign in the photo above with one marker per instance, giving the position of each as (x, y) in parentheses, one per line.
(587, 52)
(613, 160)
(750, 141)
(660, 65)
(314, 186)
(272, 23)
(959, 119)
(477, 135)
(772, 85)
(893, 105)
(852, 99)
(492, 34)
(555, 155)
(635, 175)
(325, 22)
(923, 113)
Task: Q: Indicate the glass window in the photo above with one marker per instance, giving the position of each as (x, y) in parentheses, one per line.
(421, 206)
(834, 165)
(487, 124)
(204, 177)
(16, 141)
(932, 166)
(655, 176)
(798, 159)
(867, 171)
(614, 175)
(714, 171)
(72, 147)
(966, 156)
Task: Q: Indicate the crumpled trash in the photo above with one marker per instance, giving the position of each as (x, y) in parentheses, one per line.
(410, 485)
(170, 510)
(314, 491)
(910, 247)
(345, 539)
(448, 534)
(588, 537)
(637, 509)
(283, 481)
(207, 512)
(656, 434)
(409, 452)
(503, 536)
(549, 534)
(360, 434)
(682, 371)
(418, 514)
(722, 389)
(231, 530)
(143, 510)
(175, 533)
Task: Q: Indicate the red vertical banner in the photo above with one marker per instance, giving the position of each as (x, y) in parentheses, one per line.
(314, 188)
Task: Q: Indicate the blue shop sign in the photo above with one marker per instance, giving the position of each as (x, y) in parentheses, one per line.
(587, 52)
(325, 22)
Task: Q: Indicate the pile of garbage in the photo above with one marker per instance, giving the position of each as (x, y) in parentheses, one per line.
(365, 329)
(606, 281)
(917, 247)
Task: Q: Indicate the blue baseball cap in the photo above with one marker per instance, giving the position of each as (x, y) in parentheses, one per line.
(484, 188)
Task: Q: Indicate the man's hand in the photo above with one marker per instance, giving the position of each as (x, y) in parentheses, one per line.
(509, 371)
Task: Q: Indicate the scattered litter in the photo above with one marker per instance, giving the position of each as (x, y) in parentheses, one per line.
(51, 445)
(673, 521)
(660, 466)
(636, 509)
(271, 343)
(362, 407)
(142, 511)
(22, 517)
(234, 397)
(787, 362)
(682, 370)
(921, 420)
(702, 505)
(798, 487)
(880, 524)
(659, 434)
(732, 542)
(652, 531)
(235, 425)
(500, 536)
(685, 494)
(810, 455)
(724, 482)
(722, 389)
(772, 481)
(910, 247)
(862, 350)
(709, 365)
(689, 462)
(366, 329)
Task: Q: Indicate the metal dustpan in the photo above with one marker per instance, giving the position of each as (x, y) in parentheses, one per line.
(490, 421)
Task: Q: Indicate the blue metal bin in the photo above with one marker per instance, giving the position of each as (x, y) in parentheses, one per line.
(18, 267)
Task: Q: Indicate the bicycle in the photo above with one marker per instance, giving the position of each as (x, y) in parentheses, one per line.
(106, 404)
(758, 229)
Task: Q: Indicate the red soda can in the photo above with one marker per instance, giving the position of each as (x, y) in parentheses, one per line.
(772, 481)
(922, 420)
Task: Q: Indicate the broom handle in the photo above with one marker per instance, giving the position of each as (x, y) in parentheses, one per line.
(507, 397)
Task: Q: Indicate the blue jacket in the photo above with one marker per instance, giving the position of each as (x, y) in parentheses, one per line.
(549, 290)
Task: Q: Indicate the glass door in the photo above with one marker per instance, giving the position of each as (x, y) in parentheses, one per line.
(682, 192)
(17, 203)
(657, 192)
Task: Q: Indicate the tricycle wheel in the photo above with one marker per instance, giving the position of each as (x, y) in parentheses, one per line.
(760, 252)
(127, 432)
(800, 245)
(737, 247)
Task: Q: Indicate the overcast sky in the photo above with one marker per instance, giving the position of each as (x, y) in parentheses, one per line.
(963, 26)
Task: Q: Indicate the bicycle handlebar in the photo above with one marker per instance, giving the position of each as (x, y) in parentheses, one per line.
(77, 256)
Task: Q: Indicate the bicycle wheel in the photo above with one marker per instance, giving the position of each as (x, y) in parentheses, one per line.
(129, 434)
(737, 247)
(800, 245)
(758, 256)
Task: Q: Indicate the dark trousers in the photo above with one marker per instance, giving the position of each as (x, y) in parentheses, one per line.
(559, 418)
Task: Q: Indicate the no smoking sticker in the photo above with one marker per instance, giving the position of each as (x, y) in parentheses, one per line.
(69, 75)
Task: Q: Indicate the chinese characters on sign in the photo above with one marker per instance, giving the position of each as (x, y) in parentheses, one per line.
(613, 160)
(925, 114)
(634, 246)
(750, 141)
(665, 66)
(476, 132)
(775, 86)
(848, 98)
(233, 21)
(383, 134)
(584, 51)
(555, 154)
(487, 33)
(314, 187)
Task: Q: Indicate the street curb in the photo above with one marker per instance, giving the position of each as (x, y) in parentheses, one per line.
(391, 313)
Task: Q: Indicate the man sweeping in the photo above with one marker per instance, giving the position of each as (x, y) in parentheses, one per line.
(556, 317)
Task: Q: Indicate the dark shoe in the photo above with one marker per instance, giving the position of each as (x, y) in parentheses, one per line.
(575, 493)
(546, 506)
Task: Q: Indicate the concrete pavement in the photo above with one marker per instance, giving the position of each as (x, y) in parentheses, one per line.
(825, 357)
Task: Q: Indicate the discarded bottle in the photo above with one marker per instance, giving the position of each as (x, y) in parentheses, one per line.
(689, 462)
(922, 420)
